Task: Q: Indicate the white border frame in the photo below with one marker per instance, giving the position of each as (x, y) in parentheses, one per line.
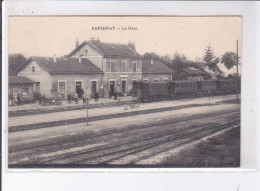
(189, 179)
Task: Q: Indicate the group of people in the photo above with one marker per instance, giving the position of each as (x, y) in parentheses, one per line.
(18, 100)
(43, 99)
(113, 94)
(76, 96)
(49, 100)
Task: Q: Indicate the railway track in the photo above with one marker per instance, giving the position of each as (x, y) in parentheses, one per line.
(36, 146)
(122, 146)
(132, 148)
(30, 145)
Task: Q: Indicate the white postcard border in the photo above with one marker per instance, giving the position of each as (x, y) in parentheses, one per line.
(249, 122)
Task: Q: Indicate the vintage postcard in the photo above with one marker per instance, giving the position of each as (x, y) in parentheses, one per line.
(124, 91)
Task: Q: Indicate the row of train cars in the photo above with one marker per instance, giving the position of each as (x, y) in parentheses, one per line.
(155, 91)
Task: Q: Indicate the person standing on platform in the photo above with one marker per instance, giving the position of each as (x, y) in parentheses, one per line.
(18, 99)
(110, 94)
(76, 96)
(84, 97)
(96, 96)
(69, 98)
(115, 95)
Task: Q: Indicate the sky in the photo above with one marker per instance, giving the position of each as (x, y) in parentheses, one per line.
(46, 36)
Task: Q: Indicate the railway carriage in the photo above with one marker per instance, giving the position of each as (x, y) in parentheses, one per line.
(150, 91)
(227, 86)
(208, 86)
(183, 88)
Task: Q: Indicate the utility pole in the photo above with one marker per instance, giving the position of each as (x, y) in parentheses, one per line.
(87, 110)
(209, 97)
(237, 73)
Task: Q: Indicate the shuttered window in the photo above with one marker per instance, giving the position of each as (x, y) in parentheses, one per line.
(112, 66)
(134, 66)
(123, 66)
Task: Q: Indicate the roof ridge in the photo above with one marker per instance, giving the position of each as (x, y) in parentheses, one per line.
(100, 51)
(111, 43)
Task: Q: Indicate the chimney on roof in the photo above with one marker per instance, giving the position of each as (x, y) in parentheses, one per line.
(54, 58)
(131, 45)
(151, 61)
(92, 39)
(77, 43)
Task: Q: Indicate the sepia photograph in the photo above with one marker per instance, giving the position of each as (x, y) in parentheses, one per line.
(124, 91)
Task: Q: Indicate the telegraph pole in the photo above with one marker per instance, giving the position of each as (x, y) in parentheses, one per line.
(237, 72)
(87, 109)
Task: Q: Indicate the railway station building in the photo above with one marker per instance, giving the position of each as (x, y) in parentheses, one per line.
(93, 66)
(61, 75)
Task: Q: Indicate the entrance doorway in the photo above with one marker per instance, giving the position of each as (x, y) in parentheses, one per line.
(38, 89)
(112, 87)
(78, 88)
(123, 86)
(62, 89)
(93, 88)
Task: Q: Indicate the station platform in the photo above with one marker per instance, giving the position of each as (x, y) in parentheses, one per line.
(36, 108)
(78, 116)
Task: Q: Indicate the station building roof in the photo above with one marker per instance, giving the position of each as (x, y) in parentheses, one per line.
(155, 67)
(65, 65)
(113, 50)
(19, 80)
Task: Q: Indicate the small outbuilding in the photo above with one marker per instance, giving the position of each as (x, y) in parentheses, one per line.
(191, 73)
(23, 86)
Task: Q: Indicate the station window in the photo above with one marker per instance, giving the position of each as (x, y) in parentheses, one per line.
(112, 66)
(104, 64)
(134, 66)
(33, 68)
(123, 66)
(177, 85)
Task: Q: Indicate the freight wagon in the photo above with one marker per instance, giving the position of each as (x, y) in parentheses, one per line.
(151, 91)
(227, 86)
(208, 86)
(183, 88)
